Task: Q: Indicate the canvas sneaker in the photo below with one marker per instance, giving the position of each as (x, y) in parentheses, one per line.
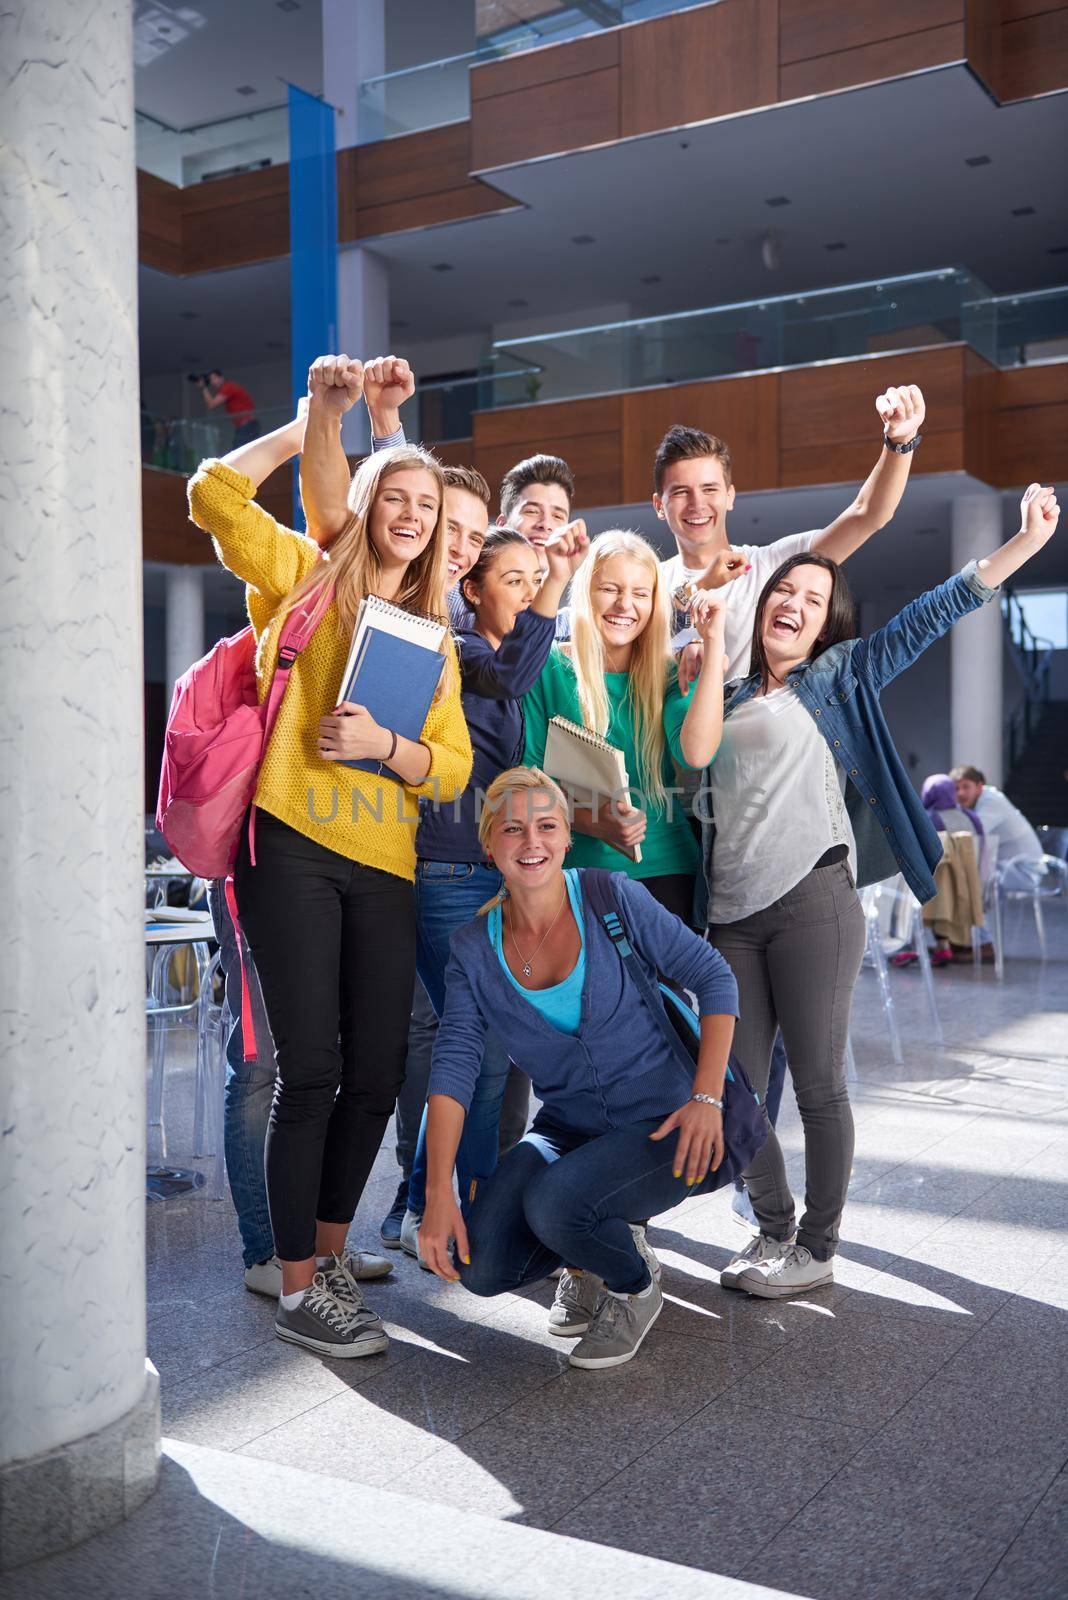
(756, 1253)
(343, 1275)
(577, 1294)
(331, 1326)
(793, 1272)
(409, 1238)
(265, 1277)
(742, 1211)
(618, 1328)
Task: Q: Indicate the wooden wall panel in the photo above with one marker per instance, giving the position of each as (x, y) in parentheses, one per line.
(1034, 55)
(544, 102)
(411, 182)
(587, 433)
(829, 430)
(890, 58)
(810, 28)
(1030, 429)
(980, 406)
(232, 221)
(743, 411)
(167, 533)
(159, 223)
(693, 65)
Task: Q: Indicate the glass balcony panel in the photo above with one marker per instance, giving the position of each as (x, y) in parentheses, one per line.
(1029, 328)
(180, 444)
(185, 156)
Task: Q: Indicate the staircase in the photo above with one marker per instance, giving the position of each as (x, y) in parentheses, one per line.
(1037, 782)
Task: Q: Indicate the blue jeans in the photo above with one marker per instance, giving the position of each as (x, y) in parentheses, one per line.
(448, 894)
(249, 1092)
(561, 1196)
(411, 1102)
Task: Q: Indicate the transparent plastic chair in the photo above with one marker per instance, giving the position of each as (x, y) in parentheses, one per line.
(1037, 881)
(213, 1020)
(895, 923)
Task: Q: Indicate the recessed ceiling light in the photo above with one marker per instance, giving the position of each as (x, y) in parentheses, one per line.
(583, 238)
(1023, 211)
(839, 244)
(778, 200)
(244, 88)
(274, 344)
(442, 266)
(684, 144)
(1057, 250)
(654, 277)
(399, 322)
(723, 241)
(189, 316)
(977, 161)
(288, 5)
(519, 301)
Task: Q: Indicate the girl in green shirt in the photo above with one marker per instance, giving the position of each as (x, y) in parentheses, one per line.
(618, 677)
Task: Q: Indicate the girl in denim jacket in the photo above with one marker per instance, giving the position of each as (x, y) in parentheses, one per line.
(808, 798)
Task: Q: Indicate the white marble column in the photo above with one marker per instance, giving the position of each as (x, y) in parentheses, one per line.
(79, 1413)
(977, 643)
(183, 626)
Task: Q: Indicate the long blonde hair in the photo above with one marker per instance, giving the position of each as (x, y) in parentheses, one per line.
(515, 780)
(649, 659)
(352, 568)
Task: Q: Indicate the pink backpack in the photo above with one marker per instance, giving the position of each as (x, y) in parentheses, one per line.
(216, 737)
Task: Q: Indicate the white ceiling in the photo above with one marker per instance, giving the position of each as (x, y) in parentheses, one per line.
(224, 319)
(881, 170)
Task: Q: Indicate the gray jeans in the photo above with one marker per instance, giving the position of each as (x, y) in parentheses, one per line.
(796, 964)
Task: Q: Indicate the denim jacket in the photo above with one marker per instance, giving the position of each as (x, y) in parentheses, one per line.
(840, 689)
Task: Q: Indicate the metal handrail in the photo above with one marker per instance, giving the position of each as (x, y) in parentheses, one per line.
(1033, 656)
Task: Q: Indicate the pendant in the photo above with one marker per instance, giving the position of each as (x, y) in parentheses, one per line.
(527, 970)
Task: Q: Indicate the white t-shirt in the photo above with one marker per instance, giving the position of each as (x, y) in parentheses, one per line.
(742, 594)
(1014, 834)
(778, 804)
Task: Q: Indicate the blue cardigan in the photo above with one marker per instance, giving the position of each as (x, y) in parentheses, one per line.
(840, 691)
(618, 1069)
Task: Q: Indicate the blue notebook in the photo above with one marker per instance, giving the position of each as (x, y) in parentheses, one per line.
(396, 680)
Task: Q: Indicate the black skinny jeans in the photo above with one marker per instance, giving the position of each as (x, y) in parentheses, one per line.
(334, 946)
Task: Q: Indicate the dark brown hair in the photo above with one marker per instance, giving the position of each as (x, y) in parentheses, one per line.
(535, 469)
(969, 774)
(494, 542)
(841, 620)
(688, 444)
(468, 478)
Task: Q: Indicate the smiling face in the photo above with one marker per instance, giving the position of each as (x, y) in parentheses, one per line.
(403, 516)
(694, 502)
(795, 614)
(510, 586)
(540, 511)
(622, 594)
(466, 524)
(529, 839)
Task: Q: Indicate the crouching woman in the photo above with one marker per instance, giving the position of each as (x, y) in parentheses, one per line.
(625, 1130)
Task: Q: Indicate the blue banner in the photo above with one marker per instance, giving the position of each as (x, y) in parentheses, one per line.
(312, 242)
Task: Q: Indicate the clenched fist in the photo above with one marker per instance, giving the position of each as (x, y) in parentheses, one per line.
(902, 411)
(387, 382)
(335, 382)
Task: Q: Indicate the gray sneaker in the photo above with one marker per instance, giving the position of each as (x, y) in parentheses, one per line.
(344, 1273)
(330, 1325)
(577, 1294)
(618, 1329)
(758, 1250)
(645, 1249)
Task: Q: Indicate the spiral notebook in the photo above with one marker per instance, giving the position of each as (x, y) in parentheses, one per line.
(393, 669)
(592, 769)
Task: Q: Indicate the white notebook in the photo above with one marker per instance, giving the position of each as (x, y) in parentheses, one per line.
(587, 765)
(388, 618)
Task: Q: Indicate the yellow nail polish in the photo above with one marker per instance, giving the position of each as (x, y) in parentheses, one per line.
(677, 1174)
(466, 1260)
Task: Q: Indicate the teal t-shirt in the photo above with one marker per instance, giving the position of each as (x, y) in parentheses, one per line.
(561, 1003)
(669, 844)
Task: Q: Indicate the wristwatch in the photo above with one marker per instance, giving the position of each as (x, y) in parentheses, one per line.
(708, 1100)
(903, 449)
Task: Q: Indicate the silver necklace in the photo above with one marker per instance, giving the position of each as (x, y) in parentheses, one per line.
(526, 969)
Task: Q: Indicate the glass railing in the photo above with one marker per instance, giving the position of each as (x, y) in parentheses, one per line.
(437, 92)
(185, 156)
(180, 444)
(860, 319)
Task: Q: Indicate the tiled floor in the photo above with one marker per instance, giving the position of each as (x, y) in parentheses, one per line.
(903, 1434)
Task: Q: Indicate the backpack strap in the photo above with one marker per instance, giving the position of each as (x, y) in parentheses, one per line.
(296, 633)
(248, 1026)
(598, 888)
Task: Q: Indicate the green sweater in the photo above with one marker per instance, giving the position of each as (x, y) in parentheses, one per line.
(669, 845)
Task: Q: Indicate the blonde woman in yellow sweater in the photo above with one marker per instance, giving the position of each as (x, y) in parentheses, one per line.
(324, 879)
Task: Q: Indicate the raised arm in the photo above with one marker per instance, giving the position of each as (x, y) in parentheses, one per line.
(258, 459)
(702, 726)
(892, 648)
(335, 383)
(388, 381)
(902, 411)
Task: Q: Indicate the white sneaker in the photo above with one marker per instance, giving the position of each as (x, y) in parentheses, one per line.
(409, 1238)
(265, 1277)
(645, 1249)
(577, 1295)
(793, 1272)
(742, 1211)
(758, 1250)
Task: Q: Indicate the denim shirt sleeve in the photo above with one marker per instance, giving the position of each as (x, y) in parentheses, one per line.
(460, 1041)
(890, 649)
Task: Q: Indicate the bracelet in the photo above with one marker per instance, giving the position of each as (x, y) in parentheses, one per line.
(392, 749)
(708, 1100)
(904, 449)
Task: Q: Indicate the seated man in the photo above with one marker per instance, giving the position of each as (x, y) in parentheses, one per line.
(1003, 823)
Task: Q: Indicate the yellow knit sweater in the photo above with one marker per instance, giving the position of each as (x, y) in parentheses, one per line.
(368, 819)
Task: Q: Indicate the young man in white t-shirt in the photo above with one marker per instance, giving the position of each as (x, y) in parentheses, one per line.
(1003, 822)
(695, 492)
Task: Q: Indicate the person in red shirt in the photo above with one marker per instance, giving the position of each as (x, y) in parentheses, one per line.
(222, 391)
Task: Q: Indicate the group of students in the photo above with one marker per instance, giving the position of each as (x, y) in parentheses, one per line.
(764, 786)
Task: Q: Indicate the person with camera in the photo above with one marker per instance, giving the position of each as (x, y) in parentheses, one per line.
(217, 391)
